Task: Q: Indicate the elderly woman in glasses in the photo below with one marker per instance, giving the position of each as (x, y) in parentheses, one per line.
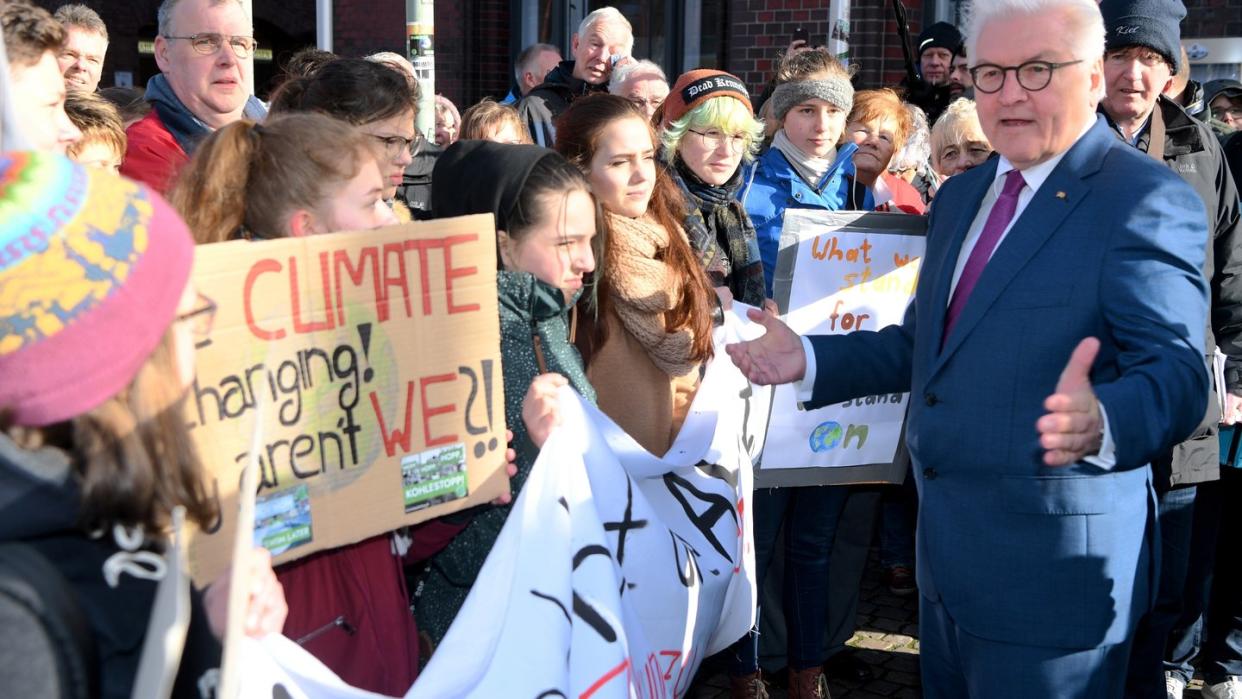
(709, 129)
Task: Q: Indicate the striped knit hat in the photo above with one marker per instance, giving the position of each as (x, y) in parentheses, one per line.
(92, 268)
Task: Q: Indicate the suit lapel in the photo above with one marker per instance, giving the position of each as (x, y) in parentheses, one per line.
(1042, 217)
(947, 263)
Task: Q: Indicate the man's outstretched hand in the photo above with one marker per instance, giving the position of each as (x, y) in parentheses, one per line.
(1073, 427)
(776, 357)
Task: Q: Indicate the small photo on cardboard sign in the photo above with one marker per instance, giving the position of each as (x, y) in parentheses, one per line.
(282, 521)
(434, 476)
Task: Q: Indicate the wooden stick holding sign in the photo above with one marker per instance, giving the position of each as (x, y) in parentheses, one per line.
(239, 576)
(169, 623)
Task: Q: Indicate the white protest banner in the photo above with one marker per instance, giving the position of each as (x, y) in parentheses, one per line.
(839, 272)
(615, 575)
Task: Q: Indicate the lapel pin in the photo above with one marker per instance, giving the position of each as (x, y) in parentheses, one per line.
(1060, 195)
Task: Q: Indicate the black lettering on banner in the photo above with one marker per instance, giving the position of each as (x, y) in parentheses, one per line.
(590, 550)
(550, 693)
(692, 557)
(555, 601)
(718, 506)
(719, 472)
(748, 439)
(627, 521)
(584, 611)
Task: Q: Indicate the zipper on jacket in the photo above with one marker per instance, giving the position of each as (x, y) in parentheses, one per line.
(340, 621)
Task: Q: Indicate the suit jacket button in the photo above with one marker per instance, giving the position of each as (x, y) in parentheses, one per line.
(929, 474)
(930, 399)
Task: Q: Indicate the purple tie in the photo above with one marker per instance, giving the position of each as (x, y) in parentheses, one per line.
(998, 221)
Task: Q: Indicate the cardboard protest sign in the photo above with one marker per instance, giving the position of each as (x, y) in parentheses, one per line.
(378, 355)
(838, 272)
(616, 573)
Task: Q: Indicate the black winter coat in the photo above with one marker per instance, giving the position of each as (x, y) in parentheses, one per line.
(542, 105)
(1191, 150)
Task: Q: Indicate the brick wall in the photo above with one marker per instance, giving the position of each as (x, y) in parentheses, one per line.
(760, 30)
(1207, 19)
(472, 42)
(361, 27)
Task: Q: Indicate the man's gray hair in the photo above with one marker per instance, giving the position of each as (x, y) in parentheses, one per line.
(610, 15)
(527, 58)
(1085, 29)
(633, 69)
(81, 17)
(164, 14)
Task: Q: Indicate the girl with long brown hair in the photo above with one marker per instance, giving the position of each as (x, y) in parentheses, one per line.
(652, 304)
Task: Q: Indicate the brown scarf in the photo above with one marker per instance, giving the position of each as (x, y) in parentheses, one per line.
(645, 288)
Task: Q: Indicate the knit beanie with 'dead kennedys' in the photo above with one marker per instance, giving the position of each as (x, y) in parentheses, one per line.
(698, 86)
(1155, 24)
(92, 268)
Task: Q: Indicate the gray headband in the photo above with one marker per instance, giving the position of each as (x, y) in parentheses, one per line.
(835, 91)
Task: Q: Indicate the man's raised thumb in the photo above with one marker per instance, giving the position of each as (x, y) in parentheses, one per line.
(1077, 372)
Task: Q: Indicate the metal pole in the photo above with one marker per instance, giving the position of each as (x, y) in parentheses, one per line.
(839, 30)
(248, 7)
(420, 34)
(323, 24)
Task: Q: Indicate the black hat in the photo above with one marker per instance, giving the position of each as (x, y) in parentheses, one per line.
(1155, 24)
(1215, 88)
(478, 177)
(939, 35)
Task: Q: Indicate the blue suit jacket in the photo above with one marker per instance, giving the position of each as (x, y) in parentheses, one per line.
(1111, 246)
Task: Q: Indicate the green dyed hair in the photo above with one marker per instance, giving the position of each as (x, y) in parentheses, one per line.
(725, 113)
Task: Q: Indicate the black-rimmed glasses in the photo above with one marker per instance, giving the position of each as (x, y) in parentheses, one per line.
(394, 144)
(1032, 75)
(200, 319)
(207, 43)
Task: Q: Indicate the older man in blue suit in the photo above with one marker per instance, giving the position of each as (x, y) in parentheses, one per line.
(1054, 348)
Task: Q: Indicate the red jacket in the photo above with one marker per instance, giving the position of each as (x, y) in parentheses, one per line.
(905, 197)
(153, 156)
(350, 608)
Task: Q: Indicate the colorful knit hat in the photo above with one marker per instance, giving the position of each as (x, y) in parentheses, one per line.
(698, 86)
(92, 268)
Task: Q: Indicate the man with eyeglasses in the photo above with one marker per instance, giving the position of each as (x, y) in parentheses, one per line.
(1053, 349)
(1142, 53)
(203, 51)
(1224, 100)
(641, 82)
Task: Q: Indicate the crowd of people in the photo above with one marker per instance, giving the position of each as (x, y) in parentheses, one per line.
(1073, 541)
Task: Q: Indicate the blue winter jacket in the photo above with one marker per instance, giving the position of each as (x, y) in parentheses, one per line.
(772, 185)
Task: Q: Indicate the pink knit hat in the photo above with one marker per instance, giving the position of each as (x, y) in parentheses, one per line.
(92, 268)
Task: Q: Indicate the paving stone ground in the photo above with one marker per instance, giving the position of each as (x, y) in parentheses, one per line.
(886, 639)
